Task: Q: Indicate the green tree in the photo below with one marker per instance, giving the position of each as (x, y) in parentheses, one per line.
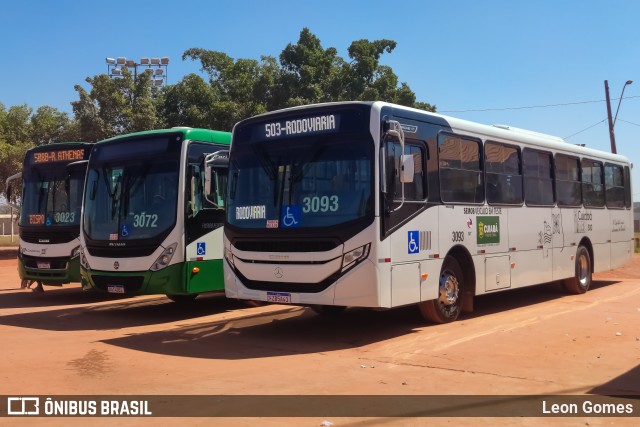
(15, 140)
(306, 73)
(240, 88)
(51, 125)
(116, 106)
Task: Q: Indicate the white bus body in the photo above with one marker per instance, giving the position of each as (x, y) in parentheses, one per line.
(488, 209)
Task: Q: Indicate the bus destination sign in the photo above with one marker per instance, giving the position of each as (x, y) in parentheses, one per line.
(301, 126)
(68, 155)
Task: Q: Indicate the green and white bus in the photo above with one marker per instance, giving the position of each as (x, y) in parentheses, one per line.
(147, 225)
(49, 227)
(380, 205)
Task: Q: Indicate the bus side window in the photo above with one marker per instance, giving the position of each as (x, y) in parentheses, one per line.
(592, 183)
(461, 178)
(538, 177)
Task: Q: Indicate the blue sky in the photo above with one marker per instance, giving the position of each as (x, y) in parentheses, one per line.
(491, 55)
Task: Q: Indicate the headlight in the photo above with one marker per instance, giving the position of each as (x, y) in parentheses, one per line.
(75, 253)
(83, 259)
(164, 258)
(353, 257)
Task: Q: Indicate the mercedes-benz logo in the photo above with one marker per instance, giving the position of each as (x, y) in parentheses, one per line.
(278, 272)
(116, 265)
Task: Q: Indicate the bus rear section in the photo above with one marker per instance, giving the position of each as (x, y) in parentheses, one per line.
(51, 200)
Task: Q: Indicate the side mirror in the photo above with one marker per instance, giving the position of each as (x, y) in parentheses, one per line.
(9, 189)
(216, 167)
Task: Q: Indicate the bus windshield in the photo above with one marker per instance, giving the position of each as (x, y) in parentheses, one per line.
(50, 197)
(314, 181)
(132, 189)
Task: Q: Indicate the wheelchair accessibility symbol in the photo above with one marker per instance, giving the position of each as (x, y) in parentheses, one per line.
(124, 230)
(291, 216)
(201, 248)
(413, 242)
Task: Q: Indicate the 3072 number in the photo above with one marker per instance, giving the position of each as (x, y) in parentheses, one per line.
(145, 220)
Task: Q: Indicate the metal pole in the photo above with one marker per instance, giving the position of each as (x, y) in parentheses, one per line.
(612, 136)
(11, 214)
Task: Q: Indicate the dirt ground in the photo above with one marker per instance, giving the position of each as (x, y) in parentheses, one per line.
(531, 341)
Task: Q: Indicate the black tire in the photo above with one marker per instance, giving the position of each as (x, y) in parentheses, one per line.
(253, 303)
(580, 283)
(447, 307)
(183, 299)
(328, 310)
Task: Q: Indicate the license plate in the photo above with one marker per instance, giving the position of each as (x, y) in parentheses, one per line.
(115, 289)
(44, 264)
(279, 297)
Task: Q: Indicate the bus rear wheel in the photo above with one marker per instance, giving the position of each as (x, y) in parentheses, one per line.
(447, 307)
(580, 283)
(182, 299)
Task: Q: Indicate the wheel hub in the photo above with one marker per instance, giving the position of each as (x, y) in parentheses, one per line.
(583, 272)
(449, 289)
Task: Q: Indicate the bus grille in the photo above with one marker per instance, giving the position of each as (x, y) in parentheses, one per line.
(54, 263)
(287, 245)
(51, 237)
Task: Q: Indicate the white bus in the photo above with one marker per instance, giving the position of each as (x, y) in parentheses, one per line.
(148, 226)
(379, 205)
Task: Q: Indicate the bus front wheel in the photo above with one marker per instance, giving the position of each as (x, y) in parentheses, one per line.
(447, 307)
(580, 283)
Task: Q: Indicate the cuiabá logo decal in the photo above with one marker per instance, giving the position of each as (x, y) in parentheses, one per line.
(488, 230)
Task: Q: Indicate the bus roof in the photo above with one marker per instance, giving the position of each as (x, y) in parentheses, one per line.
(206, 135)
(498, 132)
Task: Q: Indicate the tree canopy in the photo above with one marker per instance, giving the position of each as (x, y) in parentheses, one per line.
(303, 73)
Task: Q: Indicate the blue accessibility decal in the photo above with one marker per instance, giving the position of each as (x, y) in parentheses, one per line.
(201, 248)
(413, 242)
(291, 216)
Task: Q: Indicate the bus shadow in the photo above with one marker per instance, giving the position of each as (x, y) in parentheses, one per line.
(52, 297)
(626, 384)
(295, 330)
(8, 253)
(287, 331)
(517, 298)
(126, 313)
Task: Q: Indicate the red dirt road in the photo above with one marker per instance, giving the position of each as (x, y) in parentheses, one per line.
(530, 341)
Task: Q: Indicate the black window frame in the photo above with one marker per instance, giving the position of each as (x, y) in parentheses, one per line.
(479, 199)
(559, 181)
(518, 150)
(551, 178)
(610, 202)
(585, 199)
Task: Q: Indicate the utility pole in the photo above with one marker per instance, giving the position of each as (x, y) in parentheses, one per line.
(612, 136)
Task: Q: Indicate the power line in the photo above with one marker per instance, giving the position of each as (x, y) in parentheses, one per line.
(532, 106)
(631, 123)
(585, 129)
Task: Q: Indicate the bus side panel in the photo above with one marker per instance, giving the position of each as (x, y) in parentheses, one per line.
(598, 226)
(205, 255)
(204, 276)
(530, 239)
(412, 245)
(621, 236)
(565, 241)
